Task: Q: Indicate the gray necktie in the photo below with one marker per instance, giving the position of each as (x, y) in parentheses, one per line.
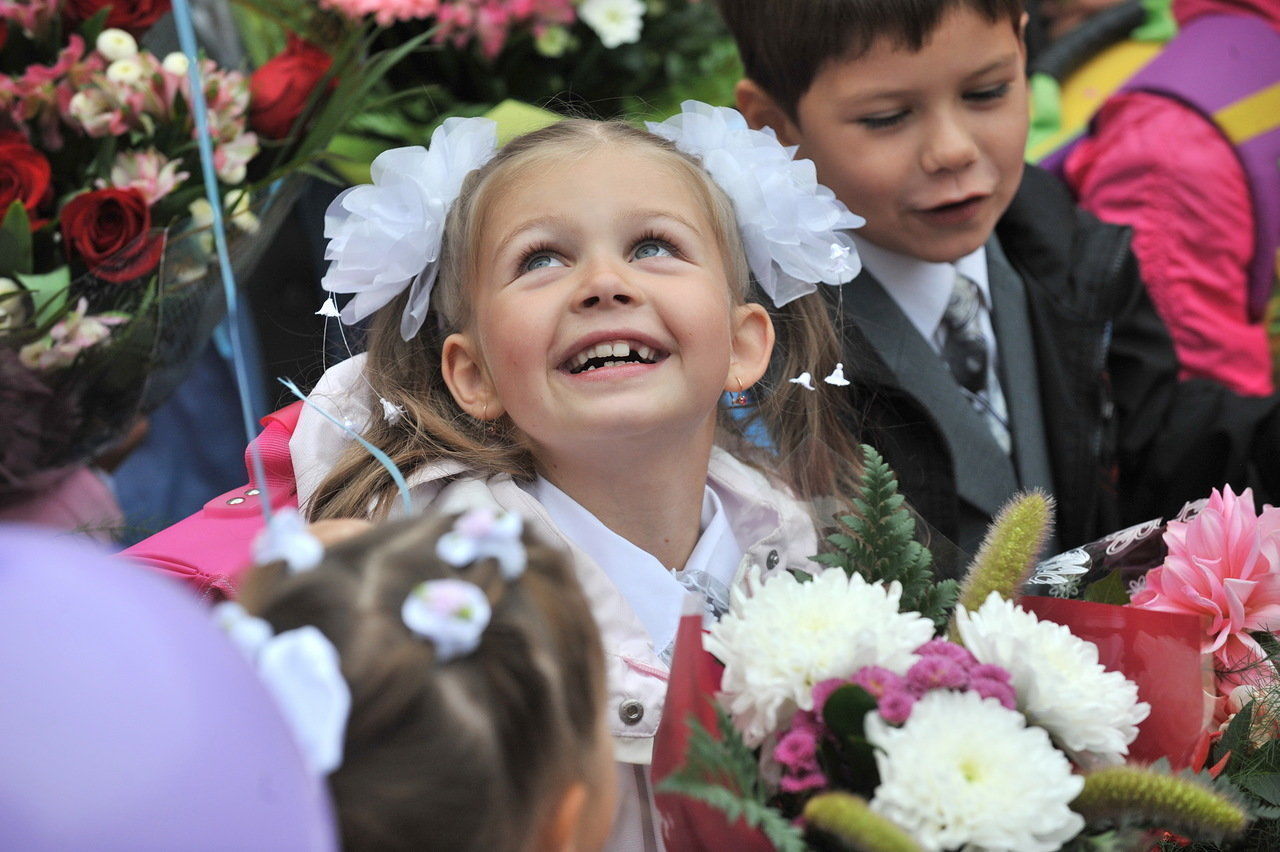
(967, 355)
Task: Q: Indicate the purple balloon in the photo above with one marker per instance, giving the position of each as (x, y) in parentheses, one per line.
(128, 721)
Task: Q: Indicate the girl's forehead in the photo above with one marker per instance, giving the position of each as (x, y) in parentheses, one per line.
(624, 173)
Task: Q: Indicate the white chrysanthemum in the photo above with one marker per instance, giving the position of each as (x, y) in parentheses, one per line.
(614, 21)
(781, 637)
(966, 772)
(1092, 713)
(116, 44)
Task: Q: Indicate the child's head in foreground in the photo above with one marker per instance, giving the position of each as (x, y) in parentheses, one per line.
(573, 238)
(501, 746)
(913, 111)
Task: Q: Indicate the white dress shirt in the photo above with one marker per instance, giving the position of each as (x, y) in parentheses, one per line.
(654, 593)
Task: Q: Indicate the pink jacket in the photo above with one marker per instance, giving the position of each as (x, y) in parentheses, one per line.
(1155, 165)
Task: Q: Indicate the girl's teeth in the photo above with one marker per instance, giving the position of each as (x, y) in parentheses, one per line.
(608, 351)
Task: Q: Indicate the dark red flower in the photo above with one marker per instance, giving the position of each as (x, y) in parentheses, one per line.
(110, 230)
(278, 91)
(135, 16)
(24, 174)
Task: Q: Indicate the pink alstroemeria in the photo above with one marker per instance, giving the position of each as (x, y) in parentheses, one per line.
(1224, 564)
(150, 172)
(70, 336)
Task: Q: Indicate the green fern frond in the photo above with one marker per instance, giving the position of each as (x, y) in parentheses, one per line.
(724, 774)
(878, 541)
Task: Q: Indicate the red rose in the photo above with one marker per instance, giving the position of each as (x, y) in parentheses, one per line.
(135, 16)
(111, 230)
(24, 174)
(279, 90)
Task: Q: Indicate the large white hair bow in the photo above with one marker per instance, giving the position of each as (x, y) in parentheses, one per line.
(791, 225)
(388, 235)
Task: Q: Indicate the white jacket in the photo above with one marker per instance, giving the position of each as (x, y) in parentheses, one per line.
(774, 530)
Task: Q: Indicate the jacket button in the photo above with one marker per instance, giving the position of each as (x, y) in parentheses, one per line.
(771, 561)
(631, 711)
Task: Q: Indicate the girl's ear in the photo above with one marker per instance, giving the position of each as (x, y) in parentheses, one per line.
(467, 378)
(752, 346)
(559, 828)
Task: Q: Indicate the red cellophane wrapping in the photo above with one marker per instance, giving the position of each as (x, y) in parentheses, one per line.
(695, 678)
(1160, 652)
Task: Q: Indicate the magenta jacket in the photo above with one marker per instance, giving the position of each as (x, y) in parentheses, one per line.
(1161, 168)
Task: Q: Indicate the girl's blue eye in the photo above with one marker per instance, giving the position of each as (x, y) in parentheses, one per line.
(540, 260)
(652, 248)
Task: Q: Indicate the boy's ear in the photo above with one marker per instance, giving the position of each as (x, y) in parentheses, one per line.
(760, 110)
(559, 828)
(468, 379)
(752, 346)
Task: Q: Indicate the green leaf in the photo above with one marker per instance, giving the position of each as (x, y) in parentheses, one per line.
(15, 241)
(93, 27)
(1236, 739)
(800, 576)
(845, 710)
(49, 292)
(1265, 787)
(1109, 590)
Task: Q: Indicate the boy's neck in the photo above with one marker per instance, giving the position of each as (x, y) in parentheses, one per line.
(652, 499)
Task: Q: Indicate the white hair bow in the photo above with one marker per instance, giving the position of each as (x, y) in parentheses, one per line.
(301, 670)
(791, 225)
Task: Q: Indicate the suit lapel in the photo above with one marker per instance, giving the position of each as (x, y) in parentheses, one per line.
(984, 474)
(1017, 366)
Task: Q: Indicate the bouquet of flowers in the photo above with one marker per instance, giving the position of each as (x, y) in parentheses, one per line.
(603, 58)
(871, 707)
(1216, 562)
(106, 279)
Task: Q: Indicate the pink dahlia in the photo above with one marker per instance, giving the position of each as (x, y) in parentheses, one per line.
(1224, 564)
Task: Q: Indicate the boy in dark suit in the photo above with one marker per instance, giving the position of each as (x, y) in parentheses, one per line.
(998, 338)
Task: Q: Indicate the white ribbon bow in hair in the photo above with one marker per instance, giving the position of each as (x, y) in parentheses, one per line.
(301, 670)
(790, 224)
(387, 235)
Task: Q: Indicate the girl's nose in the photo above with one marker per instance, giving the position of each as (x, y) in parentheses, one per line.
(605, 284)
(950, 146)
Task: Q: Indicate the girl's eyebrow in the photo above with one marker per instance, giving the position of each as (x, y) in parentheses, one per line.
(549, 222)
(554, 222)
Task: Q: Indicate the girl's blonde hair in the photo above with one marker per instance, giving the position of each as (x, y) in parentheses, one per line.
(464, 755)
(814, 451)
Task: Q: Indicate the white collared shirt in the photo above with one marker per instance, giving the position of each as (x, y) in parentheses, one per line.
(922, 288)
(654, 593)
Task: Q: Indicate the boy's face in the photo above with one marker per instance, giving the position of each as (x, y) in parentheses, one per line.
(927, 146)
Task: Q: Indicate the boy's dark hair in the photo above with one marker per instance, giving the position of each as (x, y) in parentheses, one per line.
(463, 755)
(784, 43)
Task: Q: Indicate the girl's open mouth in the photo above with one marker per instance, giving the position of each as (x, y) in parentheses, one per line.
(612, 353)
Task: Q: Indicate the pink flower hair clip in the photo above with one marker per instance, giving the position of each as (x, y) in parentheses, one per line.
(451, 614)
(485, 533)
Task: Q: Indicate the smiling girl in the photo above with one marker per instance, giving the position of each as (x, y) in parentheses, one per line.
(560, 346)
